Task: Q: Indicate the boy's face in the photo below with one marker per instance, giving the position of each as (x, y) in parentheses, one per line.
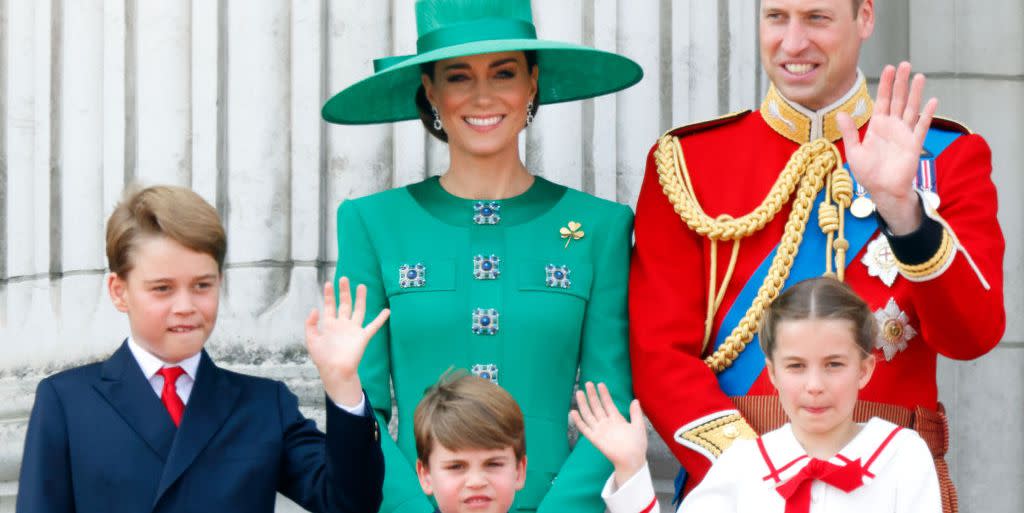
(472, 480)
(819, 370)
(171, 297)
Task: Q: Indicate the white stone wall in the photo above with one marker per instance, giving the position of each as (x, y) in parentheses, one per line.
(224, 96)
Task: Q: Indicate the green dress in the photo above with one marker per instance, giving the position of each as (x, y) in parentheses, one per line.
(494, 288)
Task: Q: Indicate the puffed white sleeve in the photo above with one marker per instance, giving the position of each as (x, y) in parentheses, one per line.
(636, 495)
(723, 484)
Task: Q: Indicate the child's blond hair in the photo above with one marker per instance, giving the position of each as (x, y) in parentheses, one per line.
(463, 411)
(174, 212)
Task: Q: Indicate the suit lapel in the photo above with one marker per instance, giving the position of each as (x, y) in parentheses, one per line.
(128, 391)
(212, 400)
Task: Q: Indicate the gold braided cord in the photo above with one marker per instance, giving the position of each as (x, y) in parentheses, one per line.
(831, 220)
(828, 221)
(728, 274)
(806, 172)
(675, 181)
(671, 165)
(715, 299)
(712, 284)
(842, 194)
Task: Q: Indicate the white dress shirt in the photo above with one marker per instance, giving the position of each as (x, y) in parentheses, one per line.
(151, 366)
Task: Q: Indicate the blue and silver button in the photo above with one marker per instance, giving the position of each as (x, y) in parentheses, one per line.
(557, 276)
(487, 212)
(412, 275)
(487, 371)
(485, 321)
(486, 268)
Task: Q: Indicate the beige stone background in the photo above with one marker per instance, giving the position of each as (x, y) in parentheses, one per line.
(223, 96)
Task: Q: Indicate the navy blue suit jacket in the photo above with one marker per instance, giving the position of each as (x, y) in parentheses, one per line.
(100, 440)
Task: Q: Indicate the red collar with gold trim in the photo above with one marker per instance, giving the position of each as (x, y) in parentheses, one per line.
(801, 125)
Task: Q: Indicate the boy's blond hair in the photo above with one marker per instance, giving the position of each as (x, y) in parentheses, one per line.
(463, 411)
(174, 212)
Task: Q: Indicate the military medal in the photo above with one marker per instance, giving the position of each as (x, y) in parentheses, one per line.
(862, 205)
(925, 181)
(894, 330)
(880, 261)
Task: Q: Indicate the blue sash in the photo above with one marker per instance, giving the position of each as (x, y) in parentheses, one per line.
(809, 262)
(738, 378)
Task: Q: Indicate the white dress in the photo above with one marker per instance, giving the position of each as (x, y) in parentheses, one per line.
(898, 475)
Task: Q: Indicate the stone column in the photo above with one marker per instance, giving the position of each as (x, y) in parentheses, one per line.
(973, 53)
(225, 96)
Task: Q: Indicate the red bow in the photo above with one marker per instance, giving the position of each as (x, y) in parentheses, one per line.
(797, 490)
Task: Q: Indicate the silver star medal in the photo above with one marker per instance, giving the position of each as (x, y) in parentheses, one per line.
(880, 261)
(894, 330)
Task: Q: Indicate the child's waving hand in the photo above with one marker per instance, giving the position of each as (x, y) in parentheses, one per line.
(623, 442)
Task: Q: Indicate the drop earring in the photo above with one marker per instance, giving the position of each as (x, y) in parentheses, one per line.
(529, 113)
(437, 119)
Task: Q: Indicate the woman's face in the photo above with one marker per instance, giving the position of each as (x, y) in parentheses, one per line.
(482, 101)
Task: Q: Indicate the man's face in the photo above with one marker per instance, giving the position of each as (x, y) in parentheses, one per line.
(810, 48)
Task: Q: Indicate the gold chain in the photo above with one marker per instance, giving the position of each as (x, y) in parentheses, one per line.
(806, 172)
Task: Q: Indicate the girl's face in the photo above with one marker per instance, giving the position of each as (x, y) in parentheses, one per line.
(818, 370)
(482, 101)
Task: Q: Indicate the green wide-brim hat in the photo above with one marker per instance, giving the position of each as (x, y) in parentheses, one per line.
(457, 28)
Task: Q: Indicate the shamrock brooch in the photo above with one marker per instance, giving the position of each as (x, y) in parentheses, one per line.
(571, 232)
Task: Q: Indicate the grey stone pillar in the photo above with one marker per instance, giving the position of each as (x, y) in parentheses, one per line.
(973, 53)
(224, 97)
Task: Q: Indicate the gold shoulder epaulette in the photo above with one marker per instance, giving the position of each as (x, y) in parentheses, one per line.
(713, 436)
(690, 128)
(950, 124)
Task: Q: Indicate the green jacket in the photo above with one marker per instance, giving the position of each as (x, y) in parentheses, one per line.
(549, 323)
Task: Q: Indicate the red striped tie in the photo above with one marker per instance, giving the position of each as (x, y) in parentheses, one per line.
(169, 395)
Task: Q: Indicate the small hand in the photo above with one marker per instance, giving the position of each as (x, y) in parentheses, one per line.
(886, 161)
(337, 346)
(623, 443)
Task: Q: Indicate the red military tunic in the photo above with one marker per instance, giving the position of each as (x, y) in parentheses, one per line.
(954, 307)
